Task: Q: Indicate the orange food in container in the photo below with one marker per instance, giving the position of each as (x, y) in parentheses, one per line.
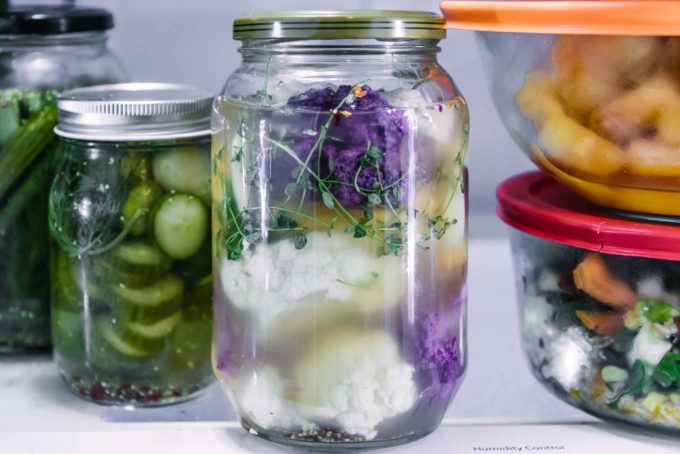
(590, 91)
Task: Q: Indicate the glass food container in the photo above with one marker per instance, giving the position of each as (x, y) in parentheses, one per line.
(589, 90)
(599, 301)
(130, 253)
(340, 227)
(42, 50)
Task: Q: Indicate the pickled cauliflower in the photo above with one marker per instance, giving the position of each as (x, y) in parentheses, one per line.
(276, 278)
(358, 377)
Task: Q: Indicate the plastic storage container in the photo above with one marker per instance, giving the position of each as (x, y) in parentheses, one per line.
(42, 50)
(590, 90)
(599, 301)
(340, 248)
(130, 226)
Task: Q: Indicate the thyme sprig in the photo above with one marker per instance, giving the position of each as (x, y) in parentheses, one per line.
(253, 224)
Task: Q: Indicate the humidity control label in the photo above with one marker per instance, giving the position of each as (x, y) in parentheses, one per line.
(526, 448)
(596, 438)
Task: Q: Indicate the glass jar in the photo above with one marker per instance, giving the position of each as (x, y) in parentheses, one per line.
(130, 243)
(599, 303)
(340, 248)
(42, 50)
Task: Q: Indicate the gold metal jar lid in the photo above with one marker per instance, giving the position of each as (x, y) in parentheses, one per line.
(348, 24)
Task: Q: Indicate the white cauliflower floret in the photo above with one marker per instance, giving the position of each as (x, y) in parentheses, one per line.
(260, 400)
(272, 279)
(569, 355)
(432, 121)
(281, 91)
(650, 345)
(651, 288)
(547, 282)
(357, 376)
(536, 319)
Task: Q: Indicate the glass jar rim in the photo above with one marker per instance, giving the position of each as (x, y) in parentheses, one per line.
(340, 24)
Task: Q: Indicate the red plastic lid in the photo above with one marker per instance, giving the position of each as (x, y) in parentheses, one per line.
(536, 204)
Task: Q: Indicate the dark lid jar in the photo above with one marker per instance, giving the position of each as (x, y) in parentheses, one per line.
(599, 302)
(339, 150)
(43, 50)
(56, 47)
(130, 243)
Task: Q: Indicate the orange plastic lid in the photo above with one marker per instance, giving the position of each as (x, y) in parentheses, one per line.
(585, 17)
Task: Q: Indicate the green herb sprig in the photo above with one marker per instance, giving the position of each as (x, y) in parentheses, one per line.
(391, 236)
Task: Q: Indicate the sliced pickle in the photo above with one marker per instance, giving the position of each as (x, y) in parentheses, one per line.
(166, 289)
(135, 313)
(149, 304)
(138, 205)
(180, 225)
(133, 264)
(129, 343)
(156, 330)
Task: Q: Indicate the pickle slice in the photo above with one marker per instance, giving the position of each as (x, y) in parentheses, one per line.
(133, 264)
(180, 225)
(140, 201)
(128, 343)
(156, 330)
(149, 304)
(165, 289)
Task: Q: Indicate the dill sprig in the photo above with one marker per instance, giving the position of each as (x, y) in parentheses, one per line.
(85, 207)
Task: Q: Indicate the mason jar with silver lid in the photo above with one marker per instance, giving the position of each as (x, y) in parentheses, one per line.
(130, 243)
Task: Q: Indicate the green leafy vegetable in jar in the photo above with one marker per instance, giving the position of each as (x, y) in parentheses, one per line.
(27, 119)
(44, 49)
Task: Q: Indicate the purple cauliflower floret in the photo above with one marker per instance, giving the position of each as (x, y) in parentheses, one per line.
(313, 99)
(437, 357)
(363, 141)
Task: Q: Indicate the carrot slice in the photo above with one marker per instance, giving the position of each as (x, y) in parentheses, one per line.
(592, 277)
(599, 386)
(603, 323)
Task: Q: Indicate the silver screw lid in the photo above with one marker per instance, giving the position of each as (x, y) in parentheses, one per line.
(134, 112)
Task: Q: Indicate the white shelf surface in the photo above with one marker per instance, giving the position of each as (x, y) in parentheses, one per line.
(500, 404)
